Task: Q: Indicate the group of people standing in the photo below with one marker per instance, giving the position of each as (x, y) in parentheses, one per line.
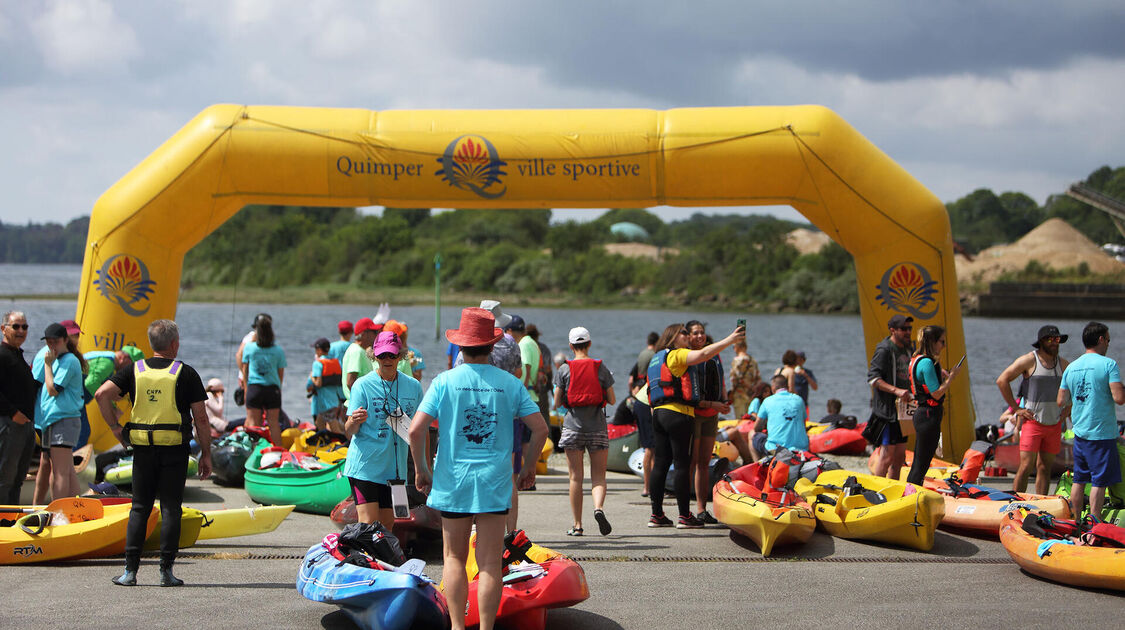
(1050, 392)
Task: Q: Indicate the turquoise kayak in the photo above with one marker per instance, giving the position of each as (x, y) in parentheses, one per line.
(315, 491)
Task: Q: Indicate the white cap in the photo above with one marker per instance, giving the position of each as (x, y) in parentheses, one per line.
(578, 335)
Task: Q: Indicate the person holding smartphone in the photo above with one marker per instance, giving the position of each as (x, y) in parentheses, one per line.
(377, 455)
(929, 384)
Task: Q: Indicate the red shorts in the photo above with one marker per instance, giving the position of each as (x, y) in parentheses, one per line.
(1041, 438)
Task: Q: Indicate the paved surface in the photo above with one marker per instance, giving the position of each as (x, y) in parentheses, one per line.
(639, 578)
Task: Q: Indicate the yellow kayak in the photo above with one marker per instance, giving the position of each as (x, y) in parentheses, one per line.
(67, 528)
(190, 522)
(242, 522)
(853, 505)
(778, 518)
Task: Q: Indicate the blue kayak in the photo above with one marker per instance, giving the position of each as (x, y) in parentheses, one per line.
(380, 600)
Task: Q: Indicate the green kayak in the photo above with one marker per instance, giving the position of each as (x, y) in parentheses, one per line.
(622, 443)
(122, 473)
(315, 491)
(1113, 511)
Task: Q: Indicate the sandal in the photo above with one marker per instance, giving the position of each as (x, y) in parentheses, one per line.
(603, 523)
(574, 531)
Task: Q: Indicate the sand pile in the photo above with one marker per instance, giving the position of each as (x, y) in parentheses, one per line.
(640, 250)
(807, 241)
(1054, 244)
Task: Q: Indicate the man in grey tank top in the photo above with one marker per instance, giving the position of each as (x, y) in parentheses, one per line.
(1039, 421)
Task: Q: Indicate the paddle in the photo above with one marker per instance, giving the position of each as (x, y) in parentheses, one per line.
(413, 566)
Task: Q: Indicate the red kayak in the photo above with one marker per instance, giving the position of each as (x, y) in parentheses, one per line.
(527, 595)
(839, 441)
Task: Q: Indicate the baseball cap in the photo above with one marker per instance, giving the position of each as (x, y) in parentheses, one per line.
(363, 325)
(322, 343)
(54, 331)
(578, 335)
(71, 327)
(516, 323)
(899, 321)
(387, 341)
(344, 327)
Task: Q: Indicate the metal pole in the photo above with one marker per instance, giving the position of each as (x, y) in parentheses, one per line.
(437, 296)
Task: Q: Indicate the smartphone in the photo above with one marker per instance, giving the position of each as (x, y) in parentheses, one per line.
(398, 498)
(742, 323)
(961, 361)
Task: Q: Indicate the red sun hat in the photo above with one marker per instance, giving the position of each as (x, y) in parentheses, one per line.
(344, 327)
(478, 328)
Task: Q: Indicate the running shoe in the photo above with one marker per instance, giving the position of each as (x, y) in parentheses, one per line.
(706, 518)
(603, 523)
(689, 522)
(659, 521)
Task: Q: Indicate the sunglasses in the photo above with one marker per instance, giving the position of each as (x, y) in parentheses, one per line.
(18, 326)
(684, 332)
(1054, 338)
(907, 328)
(386, 355)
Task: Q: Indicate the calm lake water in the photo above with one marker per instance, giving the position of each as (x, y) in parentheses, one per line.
(834, 343)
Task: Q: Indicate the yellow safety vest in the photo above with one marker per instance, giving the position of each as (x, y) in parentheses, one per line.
(154, 405)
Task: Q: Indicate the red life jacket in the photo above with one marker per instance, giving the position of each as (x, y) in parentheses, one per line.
(918, 387)
(584, 389)
(330, 373)
(664, 388)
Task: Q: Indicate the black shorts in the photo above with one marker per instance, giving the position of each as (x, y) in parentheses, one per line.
(263, 397)
(445, 514)
(365, 492)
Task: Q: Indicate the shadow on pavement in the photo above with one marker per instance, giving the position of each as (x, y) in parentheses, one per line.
(568, 618)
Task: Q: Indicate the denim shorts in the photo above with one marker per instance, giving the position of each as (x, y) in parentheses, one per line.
(63, 433)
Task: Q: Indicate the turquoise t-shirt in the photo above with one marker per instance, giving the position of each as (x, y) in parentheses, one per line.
(755, 405)
(928, 371)
(67, 372)
(264, 364)
(1087, 379)
(337, 348)
(371, 455)
(323, 398)
(475, 406)
(785, 421)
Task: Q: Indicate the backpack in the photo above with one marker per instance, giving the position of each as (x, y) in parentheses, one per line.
(373, 540)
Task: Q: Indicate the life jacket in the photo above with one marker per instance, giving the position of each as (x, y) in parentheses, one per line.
(786, 467)
(330, 373)
(711, 384)
(918, 388)
(664, 388)
(155, 420)
(584, 389)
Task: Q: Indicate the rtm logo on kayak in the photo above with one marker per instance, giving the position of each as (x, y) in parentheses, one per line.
(27, 551)
(906, 287)
(472, 163)
(124, 280)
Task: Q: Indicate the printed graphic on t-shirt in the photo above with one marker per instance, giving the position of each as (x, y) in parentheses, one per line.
(1082, 391)
(480, 425)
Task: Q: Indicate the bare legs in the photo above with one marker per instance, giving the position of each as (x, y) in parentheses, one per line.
(490, 549)
(575, 465)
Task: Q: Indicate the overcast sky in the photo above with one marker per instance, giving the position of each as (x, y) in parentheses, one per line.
(1022, 95)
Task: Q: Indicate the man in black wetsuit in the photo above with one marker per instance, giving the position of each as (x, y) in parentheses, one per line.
(159, 430)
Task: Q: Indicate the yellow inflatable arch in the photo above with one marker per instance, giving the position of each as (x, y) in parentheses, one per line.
(805, 156)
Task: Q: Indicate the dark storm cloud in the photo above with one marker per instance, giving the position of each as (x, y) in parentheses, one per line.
(688, 48)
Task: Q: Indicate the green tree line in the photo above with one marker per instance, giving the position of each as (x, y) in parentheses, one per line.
(727, 260)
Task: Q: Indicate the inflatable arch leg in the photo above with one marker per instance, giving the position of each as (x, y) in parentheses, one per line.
(806, 156)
